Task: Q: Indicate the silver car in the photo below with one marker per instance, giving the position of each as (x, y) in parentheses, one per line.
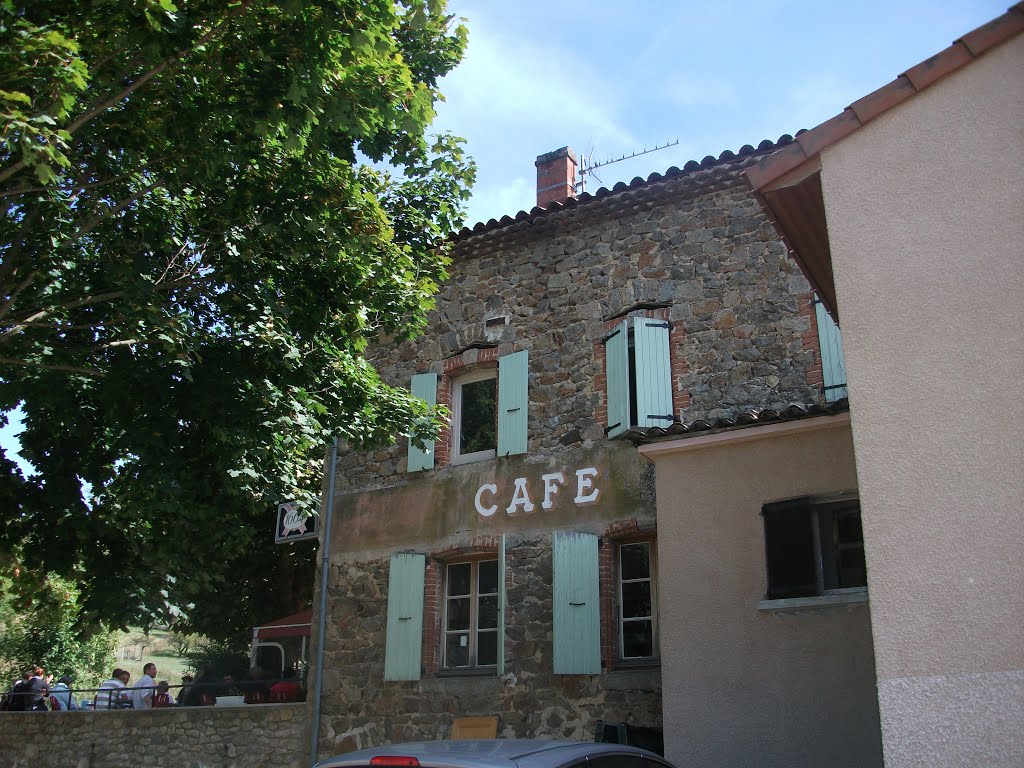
(499, 753)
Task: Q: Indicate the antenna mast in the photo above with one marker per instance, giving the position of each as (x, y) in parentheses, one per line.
(588, 169)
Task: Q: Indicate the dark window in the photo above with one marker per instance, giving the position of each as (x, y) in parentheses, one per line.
(636, 601)
(471, 614)
(475, 416)
(813, 547)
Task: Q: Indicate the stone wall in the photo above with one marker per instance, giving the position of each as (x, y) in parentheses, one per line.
(265, 736)
(737, 302)
(360, 709)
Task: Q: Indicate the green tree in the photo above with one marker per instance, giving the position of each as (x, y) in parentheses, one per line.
(207, 208)
(48, 632)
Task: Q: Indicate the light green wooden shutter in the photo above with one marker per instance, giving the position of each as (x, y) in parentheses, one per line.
(653, 373)
(404, 641)
(501, 607)
(513, 378)
(616, 366)
(833, 366)
(575, 604)
(424, 386)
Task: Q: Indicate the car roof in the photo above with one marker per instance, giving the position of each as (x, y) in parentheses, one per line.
(485, 753)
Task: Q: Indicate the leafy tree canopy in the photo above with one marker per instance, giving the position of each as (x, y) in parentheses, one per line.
(208, 207)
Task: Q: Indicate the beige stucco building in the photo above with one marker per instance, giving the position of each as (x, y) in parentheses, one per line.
(906, 213)
(750, 680)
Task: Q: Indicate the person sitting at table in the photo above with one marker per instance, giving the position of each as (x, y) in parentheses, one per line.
(287, 689)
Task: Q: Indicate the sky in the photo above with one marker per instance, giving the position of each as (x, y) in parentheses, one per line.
(610, 78)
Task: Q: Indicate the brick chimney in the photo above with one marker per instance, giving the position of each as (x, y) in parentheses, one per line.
(556, 177)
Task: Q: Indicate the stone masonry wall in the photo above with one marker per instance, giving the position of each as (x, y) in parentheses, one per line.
(741, 334)
(264, 736)
(360, 709)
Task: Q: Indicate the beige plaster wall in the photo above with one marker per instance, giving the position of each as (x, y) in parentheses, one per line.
(743, 686)
(926, 224)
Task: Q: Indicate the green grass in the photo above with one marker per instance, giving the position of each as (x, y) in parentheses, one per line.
(156, 647)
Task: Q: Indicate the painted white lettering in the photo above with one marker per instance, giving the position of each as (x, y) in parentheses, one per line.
(584, 483)
(520, 498)
(485, 511)
(550, 489)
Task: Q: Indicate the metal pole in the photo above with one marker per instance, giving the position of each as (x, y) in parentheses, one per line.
(325, 561)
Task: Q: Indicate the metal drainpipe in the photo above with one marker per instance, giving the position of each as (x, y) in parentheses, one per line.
(325, 559)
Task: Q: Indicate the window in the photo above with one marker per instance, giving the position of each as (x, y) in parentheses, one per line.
(814, 547)
(471, 614)
(830, 342)
(639, 378)
(489, 413)
(475, 416)
(636, 600)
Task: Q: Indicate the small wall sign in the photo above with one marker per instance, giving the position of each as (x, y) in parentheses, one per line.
(294, 525)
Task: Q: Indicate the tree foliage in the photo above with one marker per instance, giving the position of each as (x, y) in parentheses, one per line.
(47, 632)
(207, 208)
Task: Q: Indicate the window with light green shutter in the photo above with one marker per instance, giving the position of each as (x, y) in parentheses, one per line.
(616, 363)
(513, 397)
(404, 642)
(424, 386)
(833, 366)
(576, 604)
(653, 373)
(638, 373)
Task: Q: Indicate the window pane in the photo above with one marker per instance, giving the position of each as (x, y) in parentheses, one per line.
(456, 652)
(458, 613)
(459, 576)
(636, 599)
(849, 529)
(487, 648)
(479, 416)
(488, 577)
(488, 618)
(637, 639)
(635, 561)
(852, 570)
(789, 548)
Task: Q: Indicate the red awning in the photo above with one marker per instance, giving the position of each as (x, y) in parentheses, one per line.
(296, 625)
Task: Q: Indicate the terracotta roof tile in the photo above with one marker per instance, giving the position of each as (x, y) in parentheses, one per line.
(938, 66)
(829, 132)
(885, 98)
(996, 31)
(710, 173)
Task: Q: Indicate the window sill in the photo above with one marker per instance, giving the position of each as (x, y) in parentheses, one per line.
(628, 665)
(470, 458)
(852, 597)
(490, 672)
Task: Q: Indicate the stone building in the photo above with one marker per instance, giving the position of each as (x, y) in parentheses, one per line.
(513, 567)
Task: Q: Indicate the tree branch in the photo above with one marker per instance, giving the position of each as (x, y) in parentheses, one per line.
(97, 220)
(6, 306)
(45, 367)
(90, 300)
(109, 101)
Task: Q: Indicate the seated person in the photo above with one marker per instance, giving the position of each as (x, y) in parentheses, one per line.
(255, 689)
(162, 697)
(287, 689)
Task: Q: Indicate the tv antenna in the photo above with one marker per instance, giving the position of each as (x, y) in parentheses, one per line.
(588, 169)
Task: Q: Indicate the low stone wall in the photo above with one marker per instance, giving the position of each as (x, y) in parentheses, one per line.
(264, 736)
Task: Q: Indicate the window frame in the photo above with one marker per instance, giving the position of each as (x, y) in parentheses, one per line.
(474, 618)
(620, 620)
(457, 456)
(827, 586)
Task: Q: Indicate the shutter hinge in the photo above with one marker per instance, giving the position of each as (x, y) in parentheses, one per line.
(610, 335)
(657, 324)
(663, 418)
(610, 427)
